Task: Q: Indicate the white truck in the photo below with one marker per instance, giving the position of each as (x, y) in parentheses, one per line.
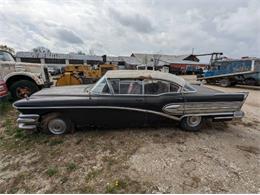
(22, 79)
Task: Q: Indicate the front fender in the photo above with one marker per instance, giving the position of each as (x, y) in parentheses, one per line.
(33, 76)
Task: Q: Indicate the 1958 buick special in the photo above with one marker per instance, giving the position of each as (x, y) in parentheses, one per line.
(127, 97)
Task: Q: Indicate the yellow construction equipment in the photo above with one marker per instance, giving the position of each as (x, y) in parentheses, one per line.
(83, 74)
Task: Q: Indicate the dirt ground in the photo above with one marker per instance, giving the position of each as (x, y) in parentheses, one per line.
(222, 158)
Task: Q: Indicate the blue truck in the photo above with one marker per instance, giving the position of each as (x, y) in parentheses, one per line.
(231, 72)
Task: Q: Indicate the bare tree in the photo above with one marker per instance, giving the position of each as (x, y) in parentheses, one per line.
(81, 53)
(91, 52)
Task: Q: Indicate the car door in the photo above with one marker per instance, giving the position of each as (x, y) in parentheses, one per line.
(129, 100)
(163, 101)
(120, 103)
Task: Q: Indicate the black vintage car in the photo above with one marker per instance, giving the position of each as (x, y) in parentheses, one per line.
(129, 97)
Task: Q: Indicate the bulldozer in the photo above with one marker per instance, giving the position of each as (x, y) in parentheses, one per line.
(83, 74)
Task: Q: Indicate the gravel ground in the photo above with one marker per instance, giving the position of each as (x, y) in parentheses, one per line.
(222, 158)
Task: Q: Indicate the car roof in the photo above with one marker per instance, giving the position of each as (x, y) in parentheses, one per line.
(142, 74)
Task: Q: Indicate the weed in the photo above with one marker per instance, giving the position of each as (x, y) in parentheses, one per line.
(52, 171)
(115, 186)
(71, 167)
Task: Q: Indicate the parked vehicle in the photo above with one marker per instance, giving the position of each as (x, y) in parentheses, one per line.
(83, 74)
(3, 90)
(127, 97)
(231, 72)
(22, 79)
(54, 71)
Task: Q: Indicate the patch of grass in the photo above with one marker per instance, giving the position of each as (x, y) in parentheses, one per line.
(93, 174)
(19, 133)
(8, 125)
(5, 106)
(54, 142)
(52, 171)
(71, 166)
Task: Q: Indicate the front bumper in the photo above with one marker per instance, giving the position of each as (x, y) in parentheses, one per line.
(28, 121)
(48, 84)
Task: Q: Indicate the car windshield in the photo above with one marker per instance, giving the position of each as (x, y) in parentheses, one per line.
(188, 88)
(101, 87)
(4, 56)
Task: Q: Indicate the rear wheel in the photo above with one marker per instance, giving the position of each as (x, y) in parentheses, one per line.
(191, 123)
(250, 81)
(225, 83)
(23, 88)
(56, 124)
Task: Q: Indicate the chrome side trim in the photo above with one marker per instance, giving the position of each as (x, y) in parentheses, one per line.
(174, 109)
(201, 107)
(107, 107)
(172, 106)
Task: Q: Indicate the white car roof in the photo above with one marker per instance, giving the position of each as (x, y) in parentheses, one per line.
(141, 74)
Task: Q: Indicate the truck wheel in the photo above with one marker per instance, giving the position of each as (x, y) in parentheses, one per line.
(250, 81)
(23, 88)
(56, 124)
(225, 83)
(191, 123)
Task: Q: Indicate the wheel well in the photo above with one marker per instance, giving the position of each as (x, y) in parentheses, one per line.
(15, 78)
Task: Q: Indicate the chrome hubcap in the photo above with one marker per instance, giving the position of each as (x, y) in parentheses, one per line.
(57, 126)
(194, 121)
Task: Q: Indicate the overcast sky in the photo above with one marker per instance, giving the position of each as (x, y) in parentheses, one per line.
(120, 27)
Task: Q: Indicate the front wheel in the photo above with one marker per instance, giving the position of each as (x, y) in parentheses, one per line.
(21, 89)
(191, 123)
(56, 124)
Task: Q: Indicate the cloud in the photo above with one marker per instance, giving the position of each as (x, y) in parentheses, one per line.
(122, 27)
(134, 20)
(68, 36)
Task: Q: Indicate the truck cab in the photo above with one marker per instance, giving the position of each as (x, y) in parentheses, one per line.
(22, 79)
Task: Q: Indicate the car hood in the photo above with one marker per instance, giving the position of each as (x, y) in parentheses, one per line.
(72, 90)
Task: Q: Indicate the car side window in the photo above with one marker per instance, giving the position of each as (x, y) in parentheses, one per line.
(115, 85)
(155, 87)
(123, 86)
(130, 87)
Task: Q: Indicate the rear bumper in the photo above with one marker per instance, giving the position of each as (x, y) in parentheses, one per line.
(235, 115)
(28, 121)
(220, 115)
